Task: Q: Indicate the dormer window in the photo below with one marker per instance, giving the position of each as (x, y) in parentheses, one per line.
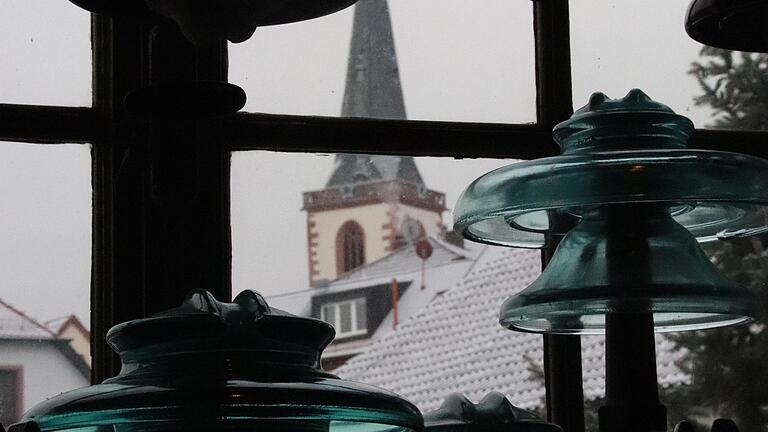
(347, 317)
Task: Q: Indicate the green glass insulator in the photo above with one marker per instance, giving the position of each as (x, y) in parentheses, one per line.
(215, 366)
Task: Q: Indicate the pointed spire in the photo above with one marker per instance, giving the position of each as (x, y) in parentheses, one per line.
(373, 80)
(373, 90)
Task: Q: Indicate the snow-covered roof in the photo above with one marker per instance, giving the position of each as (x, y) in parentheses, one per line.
(18, 327)
(404, 263)
(448, 264)
(15, 324)
(455, 344)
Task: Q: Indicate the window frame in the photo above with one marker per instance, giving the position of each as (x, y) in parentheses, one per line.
(337, 324)
(118, 274)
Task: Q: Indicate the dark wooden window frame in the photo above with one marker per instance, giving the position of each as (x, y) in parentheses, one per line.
(117, 263)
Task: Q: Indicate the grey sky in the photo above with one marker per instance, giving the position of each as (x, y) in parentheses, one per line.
(459, 60)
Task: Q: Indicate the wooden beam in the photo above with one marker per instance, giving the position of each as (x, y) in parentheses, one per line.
(414, 138)
(48, 124)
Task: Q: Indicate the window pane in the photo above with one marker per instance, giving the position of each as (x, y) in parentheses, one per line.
(447, 68)
(46, 50)
(276, 260)
(610, 57)
(329, 314)
(45, 251)
(345, 314)
(289, 252)
(360, 314)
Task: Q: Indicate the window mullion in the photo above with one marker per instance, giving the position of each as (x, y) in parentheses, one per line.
(48, 124)
(290, 133)
(562, 354)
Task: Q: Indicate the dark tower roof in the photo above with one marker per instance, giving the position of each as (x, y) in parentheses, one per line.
(373, 80)
(352, 168)
(373, 90)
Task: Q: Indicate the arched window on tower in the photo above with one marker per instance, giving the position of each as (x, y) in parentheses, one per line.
(350, 247)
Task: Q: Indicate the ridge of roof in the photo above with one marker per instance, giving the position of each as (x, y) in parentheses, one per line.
(58, 325)
(24, 317)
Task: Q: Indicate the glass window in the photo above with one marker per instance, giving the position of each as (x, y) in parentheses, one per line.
(45, 251)
(46, 50)
(653, 54)
(328, 314)
(276, 261)
(350, 243)
(360, 312)
(445, 60)
(345, 318)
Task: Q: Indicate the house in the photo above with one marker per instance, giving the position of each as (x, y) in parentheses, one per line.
(35, 363)
(455, 344)
(70, 328)
(372, 300)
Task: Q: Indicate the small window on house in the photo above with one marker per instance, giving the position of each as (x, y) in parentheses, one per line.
(350, 247)
(10, 395)
(347, 317)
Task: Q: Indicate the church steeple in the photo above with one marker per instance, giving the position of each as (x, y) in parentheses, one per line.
(373, 80)
(356, 218)
(373, 90)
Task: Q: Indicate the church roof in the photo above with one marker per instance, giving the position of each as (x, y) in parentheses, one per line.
(455, 344)
(360, 168)
(373, 81)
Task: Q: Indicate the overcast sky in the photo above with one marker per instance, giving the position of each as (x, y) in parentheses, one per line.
(459, 60)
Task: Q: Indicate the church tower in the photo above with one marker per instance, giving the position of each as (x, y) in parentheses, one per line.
(358, 216)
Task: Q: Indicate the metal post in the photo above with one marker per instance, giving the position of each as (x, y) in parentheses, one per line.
(632, 396)
(562, 354)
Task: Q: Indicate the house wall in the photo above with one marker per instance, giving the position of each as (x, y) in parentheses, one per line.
(380, 223)
(45, 371)
(78, 341)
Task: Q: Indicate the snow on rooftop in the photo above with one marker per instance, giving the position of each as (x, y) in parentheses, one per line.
(455, 344)
(15, 324)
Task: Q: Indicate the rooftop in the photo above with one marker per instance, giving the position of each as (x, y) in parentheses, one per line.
(15, 324)
(455, 344)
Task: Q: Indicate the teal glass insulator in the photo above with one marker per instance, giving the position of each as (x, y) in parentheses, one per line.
(493, 413)
(614, 152)
(628, 259)
(632, 202)
(217, 366)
